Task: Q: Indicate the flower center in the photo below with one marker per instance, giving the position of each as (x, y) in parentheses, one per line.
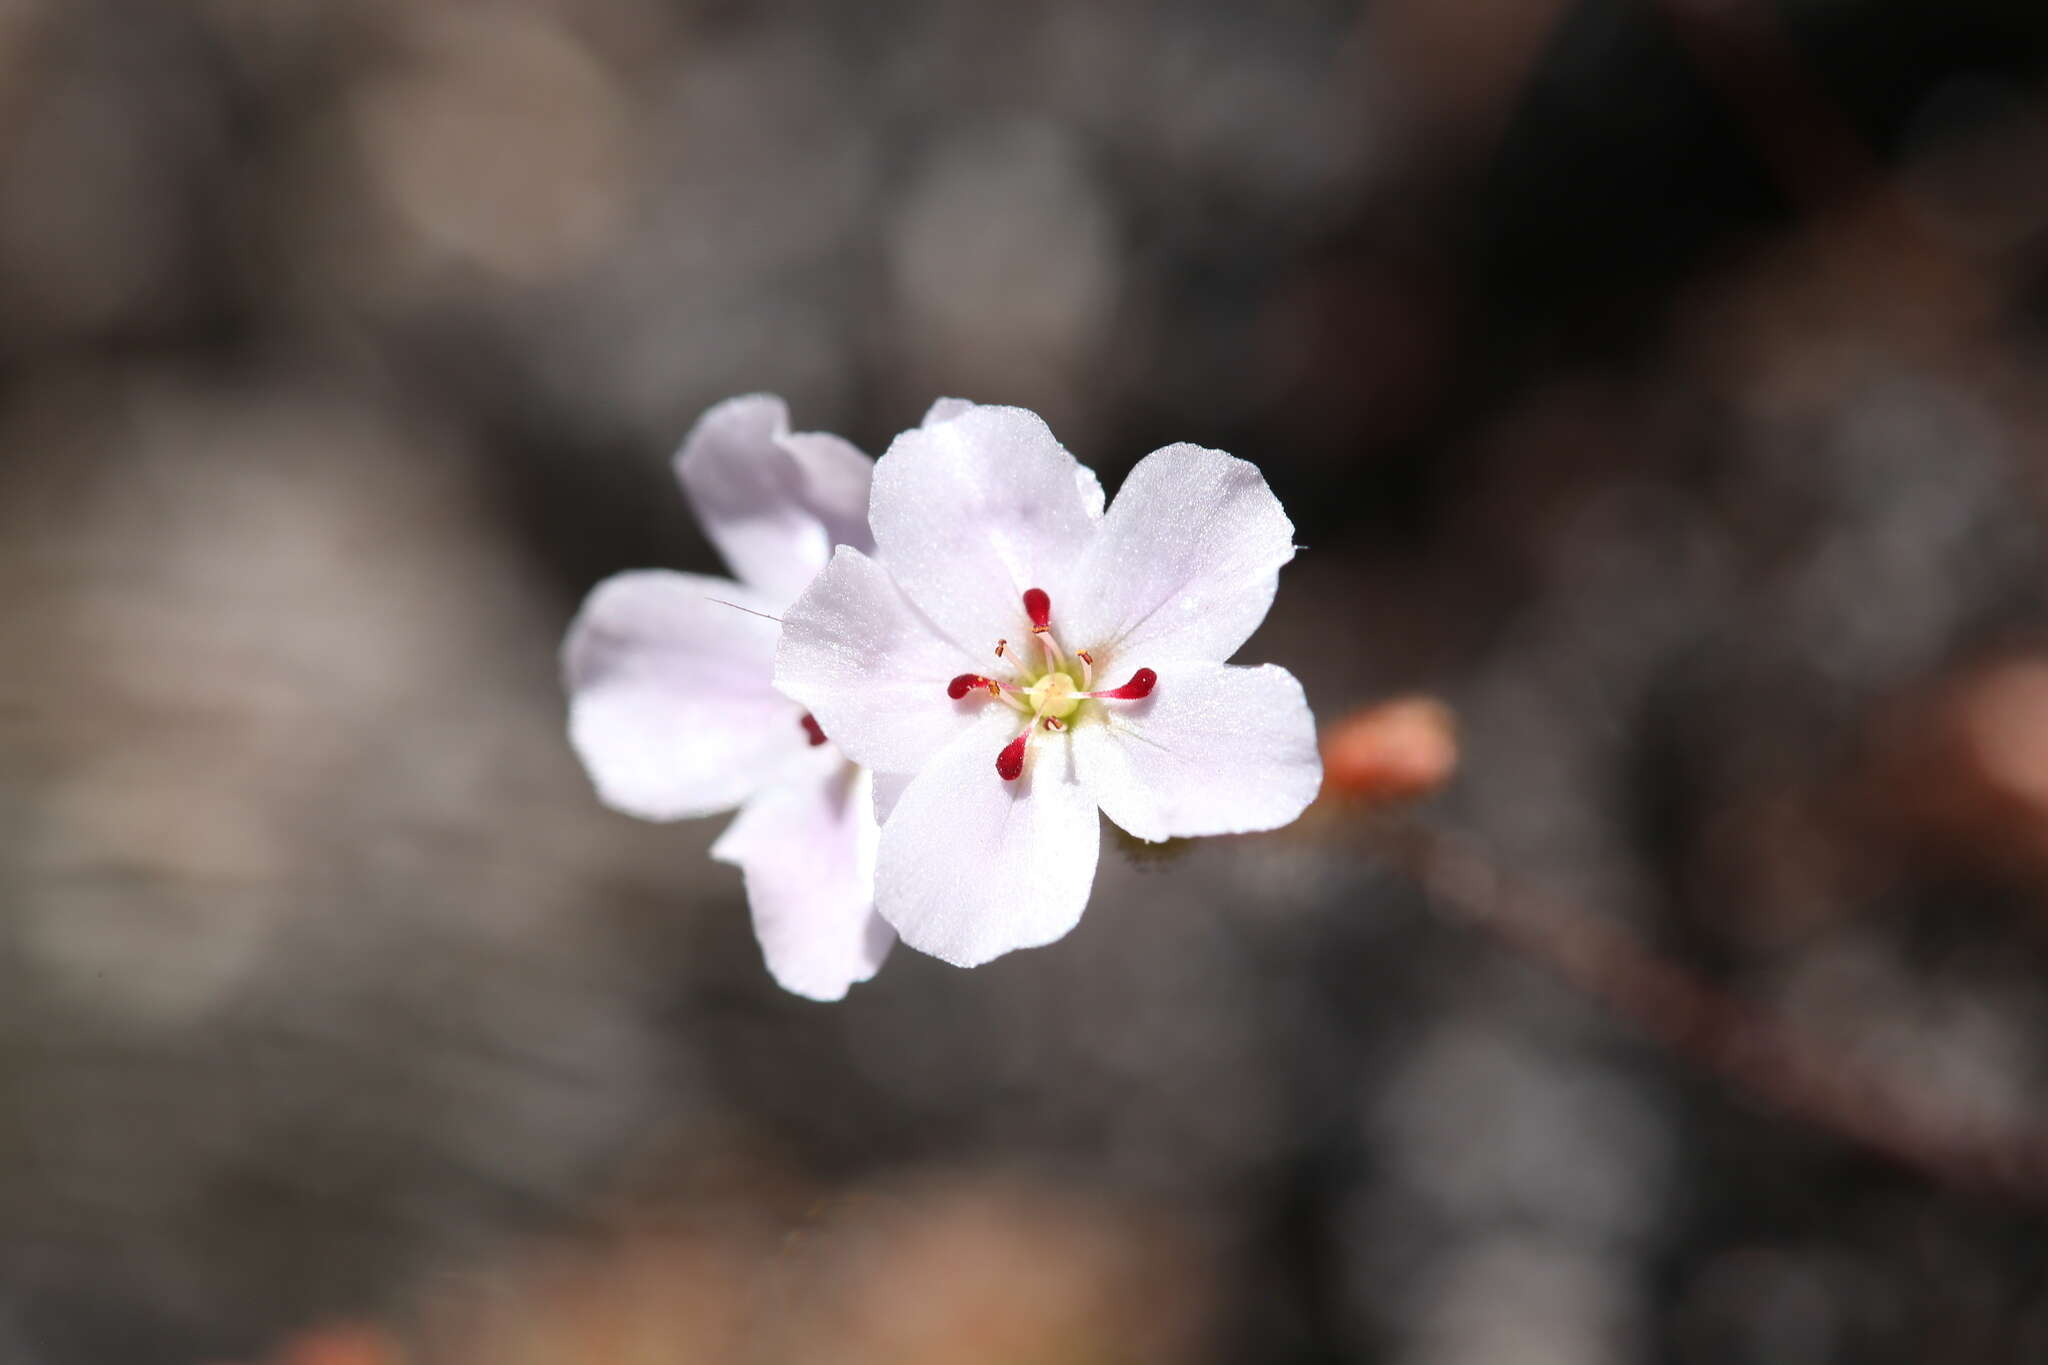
(1055, 695)
(1047, 697)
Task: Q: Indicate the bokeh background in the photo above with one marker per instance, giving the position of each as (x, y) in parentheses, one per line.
(1661, 384)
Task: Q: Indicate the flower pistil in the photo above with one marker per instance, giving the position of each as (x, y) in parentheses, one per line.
(1051, 697)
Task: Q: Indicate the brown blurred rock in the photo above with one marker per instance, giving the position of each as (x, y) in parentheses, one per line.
(974, 1266)
(498, 142)
(992, 1269)
(347, 1343)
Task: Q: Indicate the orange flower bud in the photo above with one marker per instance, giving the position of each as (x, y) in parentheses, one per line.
(1394, 750)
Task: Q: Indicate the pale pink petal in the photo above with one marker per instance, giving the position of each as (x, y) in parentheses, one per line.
(972, 867)
(889, 789)
(971, 511)
(807, 848)
(773, 502)
(946, 409)
(1186, 561)
(1092, 496)
(837, 477)
(671, 707)
(1216, 749)
(871, 669)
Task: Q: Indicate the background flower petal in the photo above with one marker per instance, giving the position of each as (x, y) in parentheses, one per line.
(971, 511)
(972, 867)
(1216, 749)
(871, 669)
(807, 848)
(1186, 561)
(670, 703)
(889, 789)
(773, 502)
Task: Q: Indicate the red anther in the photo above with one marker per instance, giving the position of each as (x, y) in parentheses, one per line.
(813, 729)
(1010, 762)
(966, 683)
(1085, 657)
(1038, 607)
(1140, 685)
(1054, 723)
(1001, 645)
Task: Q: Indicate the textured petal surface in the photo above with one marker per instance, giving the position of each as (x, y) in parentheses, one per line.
(1216, 749)
(972, 867)
(1186, 561)
(1090, 488)
(773, 502)
(807, 848)
(1092, 498)
(971, 511)
(671, 706)
(871, 669)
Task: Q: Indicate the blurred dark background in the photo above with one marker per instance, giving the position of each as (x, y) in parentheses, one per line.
(1659, 383)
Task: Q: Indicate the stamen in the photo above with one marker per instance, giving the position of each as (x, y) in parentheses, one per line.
(968, 682)
(1001, 645)
(1140, 685)
(813, 729)
(1010, 762)
(1087, 668)
(1038, 606)
(1054, 723)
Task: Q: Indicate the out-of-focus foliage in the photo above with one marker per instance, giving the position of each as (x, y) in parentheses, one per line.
(1658, 384)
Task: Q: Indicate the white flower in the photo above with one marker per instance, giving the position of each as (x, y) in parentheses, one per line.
(673, 710)
(1012, 659)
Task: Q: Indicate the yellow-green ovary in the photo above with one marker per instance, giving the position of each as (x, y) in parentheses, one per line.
(1054, 695)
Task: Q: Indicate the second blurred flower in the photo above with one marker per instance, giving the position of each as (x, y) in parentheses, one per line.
(673, 710)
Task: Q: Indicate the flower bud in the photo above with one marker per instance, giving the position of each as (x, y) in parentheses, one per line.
(1395, 750)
